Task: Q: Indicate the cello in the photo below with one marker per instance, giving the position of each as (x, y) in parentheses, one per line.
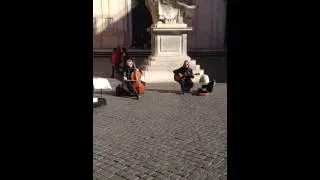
(136, 78)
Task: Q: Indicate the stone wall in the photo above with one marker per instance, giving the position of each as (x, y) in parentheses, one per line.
(109, 23)
(208, 22)
(112, 25)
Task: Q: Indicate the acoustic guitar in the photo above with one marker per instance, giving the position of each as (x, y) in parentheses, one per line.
(177, 78)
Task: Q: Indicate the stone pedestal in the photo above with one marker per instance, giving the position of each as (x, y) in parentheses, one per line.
(169, 41)
(168, 52)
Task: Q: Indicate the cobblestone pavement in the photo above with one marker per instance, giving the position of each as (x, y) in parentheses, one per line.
(163, 135)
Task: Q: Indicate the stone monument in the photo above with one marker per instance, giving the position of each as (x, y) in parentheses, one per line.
(168, 39)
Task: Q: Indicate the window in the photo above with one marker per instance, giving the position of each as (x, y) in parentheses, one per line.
(109, 26)
(108, 22)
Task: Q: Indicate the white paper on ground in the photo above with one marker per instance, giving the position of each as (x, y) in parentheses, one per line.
(101, 83)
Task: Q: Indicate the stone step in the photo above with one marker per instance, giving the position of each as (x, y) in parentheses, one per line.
(166, 67)
(197, 78)
(162, 62)
(146, 53)
(165, 76)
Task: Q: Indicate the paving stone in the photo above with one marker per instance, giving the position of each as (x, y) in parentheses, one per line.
(162, 135)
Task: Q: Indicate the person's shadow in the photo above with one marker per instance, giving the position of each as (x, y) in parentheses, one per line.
(164, 91)
(98, 92)
(193, 92)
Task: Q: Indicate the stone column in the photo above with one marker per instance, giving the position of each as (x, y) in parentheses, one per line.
(184, 44)
(129, 23)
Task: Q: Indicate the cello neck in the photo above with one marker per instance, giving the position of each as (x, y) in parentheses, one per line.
(135, 72)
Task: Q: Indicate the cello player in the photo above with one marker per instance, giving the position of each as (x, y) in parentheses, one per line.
(126, 84)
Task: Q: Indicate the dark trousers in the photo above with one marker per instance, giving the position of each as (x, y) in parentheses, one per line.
(210, 86)
(186, 85)
(127, 86)
(115, 68)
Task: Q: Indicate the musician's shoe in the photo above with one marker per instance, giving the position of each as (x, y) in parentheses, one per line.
(138, 96)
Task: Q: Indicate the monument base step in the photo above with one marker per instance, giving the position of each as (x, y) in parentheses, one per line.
(167, 68)
(165, 76)
(168, 58)
(158, 71)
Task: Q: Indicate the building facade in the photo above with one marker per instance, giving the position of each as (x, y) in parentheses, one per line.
(122, 22)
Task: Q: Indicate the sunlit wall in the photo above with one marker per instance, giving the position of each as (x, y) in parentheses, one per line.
(109, 23)
(112, 25)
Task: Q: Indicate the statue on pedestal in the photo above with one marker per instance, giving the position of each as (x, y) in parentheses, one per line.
(169, 11)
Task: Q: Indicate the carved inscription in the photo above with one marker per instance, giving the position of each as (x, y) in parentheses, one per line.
(170, 43)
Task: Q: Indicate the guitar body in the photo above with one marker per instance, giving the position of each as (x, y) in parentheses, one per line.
(178, 78)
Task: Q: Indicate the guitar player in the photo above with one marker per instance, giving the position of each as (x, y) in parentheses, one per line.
(183, 75)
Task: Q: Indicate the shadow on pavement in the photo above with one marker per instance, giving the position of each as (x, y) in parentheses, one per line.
(112, 93)
(98, 93)
(178, 92)
(165, 91)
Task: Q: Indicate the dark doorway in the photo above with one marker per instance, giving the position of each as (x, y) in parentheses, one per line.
(141, 20)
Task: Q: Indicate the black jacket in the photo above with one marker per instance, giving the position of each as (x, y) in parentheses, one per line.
(125, 58)
(127, 72)
(187, 72)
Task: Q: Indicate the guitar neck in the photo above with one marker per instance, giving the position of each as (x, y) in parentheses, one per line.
(196, 74)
